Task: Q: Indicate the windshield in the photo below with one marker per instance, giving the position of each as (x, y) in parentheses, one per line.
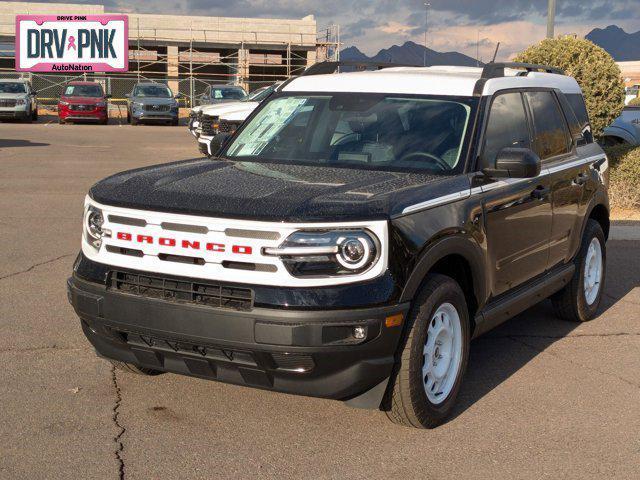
(357, 130)
(152, 91)
(12, 88)
(260, 94)
(83, 91)
(233, 93)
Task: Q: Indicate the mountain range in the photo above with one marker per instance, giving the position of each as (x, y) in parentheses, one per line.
(410, 53)
(621, 45)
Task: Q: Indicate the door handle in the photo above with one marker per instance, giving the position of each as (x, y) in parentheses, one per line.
(581, 179)
(540, 192)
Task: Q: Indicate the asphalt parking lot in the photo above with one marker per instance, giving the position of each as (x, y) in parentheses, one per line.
(543, 398)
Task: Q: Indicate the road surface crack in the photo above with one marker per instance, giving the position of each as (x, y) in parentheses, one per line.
(116, 414)
(40, 348)
(588, 367)
(35, 265)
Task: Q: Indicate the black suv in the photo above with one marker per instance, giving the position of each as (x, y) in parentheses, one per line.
(353, 236)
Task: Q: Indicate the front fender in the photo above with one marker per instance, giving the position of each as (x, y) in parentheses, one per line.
(461, 245)
(622, 133)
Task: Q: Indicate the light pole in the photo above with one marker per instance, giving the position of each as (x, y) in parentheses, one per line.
(551, 19)
(426, 29)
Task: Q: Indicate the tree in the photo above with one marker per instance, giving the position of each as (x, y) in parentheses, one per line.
(635, 102)
(594, 69)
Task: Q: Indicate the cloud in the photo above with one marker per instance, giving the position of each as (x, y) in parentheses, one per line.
(454, 25)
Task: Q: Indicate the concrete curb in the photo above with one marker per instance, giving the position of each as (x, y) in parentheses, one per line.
(623, 232)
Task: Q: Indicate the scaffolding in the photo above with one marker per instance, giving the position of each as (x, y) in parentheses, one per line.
(190, 59)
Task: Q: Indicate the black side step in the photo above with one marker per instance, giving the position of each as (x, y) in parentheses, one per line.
(522, 298)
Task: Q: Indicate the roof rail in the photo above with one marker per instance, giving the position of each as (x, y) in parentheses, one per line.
(323, 68)
(496, 70)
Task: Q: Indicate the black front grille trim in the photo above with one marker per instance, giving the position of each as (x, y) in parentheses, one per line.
(207, 124)
(181, 290)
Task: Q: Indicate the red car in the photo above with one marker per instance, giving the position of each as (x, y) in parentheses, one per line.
(83, 101)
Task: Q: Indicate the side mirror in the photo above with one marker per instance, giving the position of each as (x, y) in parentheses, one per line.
(578, 139)
(219, 142)
(127, 95)
(179, 95)
(515, 163)
(108, 95)
(34, 92)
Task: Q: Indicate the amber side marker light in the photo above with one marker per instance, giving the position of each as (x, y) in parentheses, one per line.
(394, 320)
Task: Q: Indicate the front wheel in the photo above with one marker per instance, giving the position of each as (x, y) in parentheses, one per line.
(433, 356)
(578, 301)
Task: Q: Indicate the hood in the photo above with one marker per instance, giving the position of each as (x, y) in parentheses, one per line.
(270, 192)
(240, 114)
(223, 108)
(155, 100)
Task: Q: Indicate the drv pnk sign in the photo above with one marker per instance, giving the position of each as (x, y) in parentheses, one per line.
(72, 43)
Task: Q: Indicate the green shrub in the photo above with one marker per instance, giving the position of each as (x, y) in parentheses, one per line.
(594, 69)
(624, 187)
(635, 102)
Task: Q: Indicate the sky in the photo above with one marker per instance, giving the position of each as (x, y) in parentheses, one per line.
(454, 25)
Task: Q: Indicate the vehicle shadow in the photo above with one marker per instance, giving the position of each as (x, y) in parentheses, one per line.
(499, 354)
(14, 143)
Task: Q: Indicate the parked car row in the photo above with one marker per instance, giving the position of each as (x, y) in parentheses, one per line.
(86, 101)
(207, 121)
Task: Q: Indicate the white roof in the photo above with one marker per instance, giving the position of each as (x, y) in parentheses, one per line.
(441, 80)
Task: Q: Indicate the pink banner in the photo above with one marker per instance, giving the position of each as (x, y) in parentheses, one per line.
(72, 43)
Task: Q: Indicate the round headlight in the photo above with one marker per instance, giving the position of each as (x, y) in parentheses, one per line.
(93, 222)
(355, 251)
(326, 253)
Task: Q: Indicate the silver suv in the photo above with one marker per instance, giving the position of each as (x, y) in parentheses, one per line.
(17, 100)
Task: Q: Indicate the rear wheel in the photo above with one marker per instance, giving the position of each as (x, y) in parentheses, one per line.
(131, 368)
(433, 357)
(579, 300)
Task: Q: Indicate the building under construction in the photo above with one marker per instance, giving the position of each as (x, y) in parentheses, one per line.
(190, 52)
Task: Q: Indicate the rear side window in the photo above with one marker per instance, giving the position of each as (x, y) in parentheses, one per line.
(579, 108)
(551, 133)
(507, 127)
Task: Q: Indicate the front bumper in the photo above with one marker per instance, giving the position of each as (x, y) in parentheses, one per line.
(18, 114)
(142, 115)
(302, 352)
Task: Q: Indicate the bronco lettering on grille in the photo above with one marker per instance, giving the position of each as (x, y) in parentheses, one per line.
(186, 244)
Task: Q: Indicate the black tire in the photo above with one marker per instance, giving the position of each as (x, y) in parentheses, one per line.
(175, 122)
(60, 121)
(35, 114)
(128, 117)
(570, 303)
(406, 402)
(131, 368)
(133, 120)
(29, 118)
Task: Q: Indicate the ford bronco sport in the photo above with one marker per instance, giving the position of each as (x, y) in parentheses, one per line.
(353, 236)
